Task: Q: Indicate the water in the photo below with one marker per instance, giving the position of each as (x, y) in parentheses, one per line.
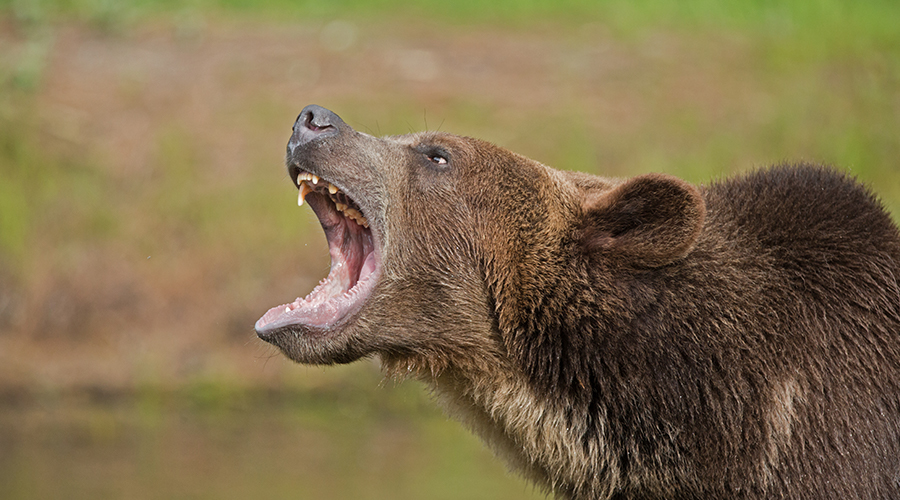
(263, 445)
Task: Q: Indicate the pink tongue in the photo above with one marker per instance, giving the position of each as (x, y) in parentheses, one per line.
(350, 249)
(368, 266)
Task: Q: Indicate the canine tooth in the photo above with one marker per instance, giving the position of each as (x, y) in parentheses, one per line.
(332, 188)
(304, 190)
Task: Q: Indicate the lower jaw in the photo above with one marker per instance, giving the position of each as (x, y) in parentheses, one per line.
(319, 313)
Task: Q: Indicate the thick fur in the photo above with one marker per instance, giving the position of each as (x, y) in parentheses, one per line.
(638, 338)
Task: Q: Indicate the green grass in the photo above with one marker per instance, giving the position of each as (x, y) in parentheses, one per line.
(875, 19)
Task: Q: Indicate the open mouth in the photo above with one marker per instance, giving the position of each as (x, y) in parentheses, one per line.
(354, 261)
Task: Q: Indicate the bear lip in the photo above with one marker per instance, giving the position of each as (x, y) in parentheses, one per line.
(355, 264)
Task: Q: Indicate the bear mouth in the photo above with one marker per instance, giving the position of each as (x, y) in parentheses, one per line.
(355, 262)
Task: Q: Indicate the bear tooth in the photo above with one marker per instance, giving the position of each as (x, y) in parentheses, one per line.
(357, 217)
(340, 206)
(332, 188)
(315, 178)
(304, 190)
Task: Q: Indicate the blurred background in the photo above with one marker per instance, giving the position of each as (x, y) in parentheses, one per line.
(146, 220)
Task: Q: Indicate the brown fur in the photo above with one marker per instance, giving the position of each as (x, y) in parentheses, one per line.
(638, 338)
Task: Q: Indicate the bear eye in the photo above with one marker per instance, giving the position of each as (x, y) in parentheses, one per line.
(436, 155)
(437, 159)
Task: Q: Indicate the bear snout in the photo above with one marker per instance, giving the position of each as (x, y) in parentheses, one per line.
(314, 122)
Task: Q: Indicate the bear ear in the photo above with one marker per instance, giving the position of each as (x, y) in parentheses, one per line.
(650, 220)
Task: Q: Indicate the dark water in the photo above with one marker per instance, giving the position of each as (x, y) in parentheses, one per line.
(199, 445)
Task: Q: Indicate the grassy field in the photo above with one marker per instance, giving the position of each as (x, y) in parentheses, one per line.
(146, 221)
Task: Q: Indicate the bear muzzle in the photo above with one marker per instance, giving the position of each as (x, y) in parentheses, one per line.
(314, 123)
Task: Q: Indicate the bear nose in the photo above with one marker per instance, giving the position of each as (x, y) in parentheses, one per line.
(314, 122)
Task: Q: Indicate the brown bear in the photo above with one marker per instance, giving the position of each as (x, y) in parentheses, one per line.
(613, 338)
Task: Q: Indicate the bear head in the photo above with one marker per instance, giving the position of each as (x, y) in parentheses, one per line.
(444, 248)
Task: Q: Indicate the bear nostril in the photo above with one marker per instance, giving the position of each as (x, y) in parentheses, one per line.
(314, 122)
(317, 118)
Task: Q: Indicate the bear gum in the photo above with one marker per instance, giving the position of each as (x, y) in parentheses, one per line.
(614, 338)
